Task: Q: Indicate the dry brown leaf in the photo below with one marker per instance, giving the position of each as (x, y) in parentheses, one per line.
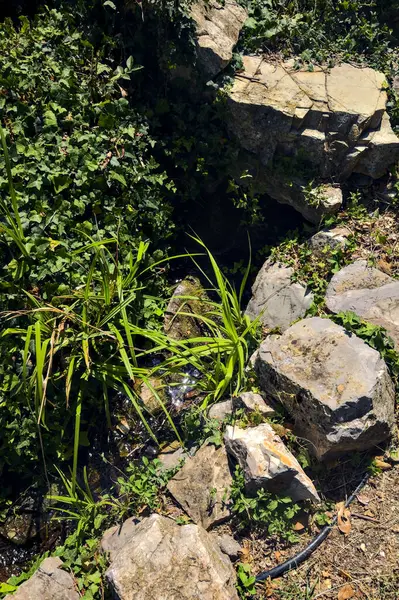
(381, 464)
(363, 499)
(277, 555)
(343, 517)
(385, 266)
(326, 574)
(298, 526)
(346, 592)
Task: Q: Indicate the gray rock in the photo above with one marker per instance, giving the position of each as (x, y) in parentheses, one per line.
(116, 537)
(221, 410)
(166, 561)
(171, 458)
(202, 486)
(253, 402)
(218, 25)
(336, 388)
(368, 292)
(229, 546)
(332, 239)
(330, 123)
(48, 583)
(276, 300)
(267, 463)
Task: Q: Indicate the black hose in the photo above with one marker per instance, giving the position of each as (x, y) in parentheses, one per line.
(295, 561)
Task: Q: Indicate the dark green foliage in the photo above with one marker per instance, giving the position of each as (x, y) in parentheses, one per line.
(81, 158)
(317, 30)
(264, 510)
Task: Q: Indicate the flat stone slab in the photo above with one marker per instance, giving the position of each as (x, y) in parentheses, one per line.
(336, 388)
(267, 463)
(368, 292)
(202, 486)
(329, 122)
(276, 300)
(49, 582)
(165, 561)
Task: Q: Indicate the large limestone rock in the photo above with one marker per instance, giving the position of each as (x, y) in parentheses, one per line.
(202, 486)
(369, 293)
(48, 583)
(302, 126)
(336, 388)
(267, 463)
(276, 299)
(165, 561)
(218, 25)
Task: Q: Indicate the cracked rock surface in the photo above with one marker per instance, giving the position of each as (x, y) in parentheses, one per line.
(329, 122)
(165, 561)
(368, 292)
(336, 387)
(218, 26)
(276, 300)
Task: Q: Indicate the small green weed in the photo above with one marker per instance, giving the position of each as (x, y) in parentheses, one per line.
(245, 581)
(275, 513)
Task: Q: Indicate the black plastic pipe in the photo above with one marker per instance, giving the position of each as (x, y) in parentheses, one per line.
(295, 561)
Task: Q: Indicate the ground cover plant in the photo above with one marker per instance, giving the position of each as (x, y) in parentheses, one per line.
(104, 166)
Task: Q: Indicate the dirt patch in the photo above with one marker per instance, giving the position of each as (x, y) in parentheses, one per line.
(366, 561)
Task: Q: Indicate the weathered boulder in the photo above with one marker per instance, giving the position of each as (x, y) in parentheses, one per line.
(253, 402)
(332, 239)
(48, 583)
(166, 561)
(276, 300)
(229, 546)
(115, 538)
(171, 457)
(202, 486)
(218, 25)
(302, 125)
(189, 298)
(336, 388)
(221, 410)
(368, 292)
(267, 463)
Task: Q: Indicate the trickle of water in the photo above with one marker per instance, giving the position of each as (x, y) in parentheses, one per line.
(178, 391)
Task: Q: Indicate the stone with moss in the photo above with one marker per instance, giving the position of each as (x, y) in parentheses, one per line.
(182, 316)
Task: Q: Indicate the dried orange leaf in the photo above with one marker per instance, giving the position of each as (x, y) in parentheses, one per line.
(346, 592)
(381, 464)
(298, 526)
(343, 517)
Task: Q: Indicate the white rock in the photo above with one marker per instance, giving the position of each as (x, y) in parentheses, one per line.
(267, 463)
(49, 582)
(165, 561)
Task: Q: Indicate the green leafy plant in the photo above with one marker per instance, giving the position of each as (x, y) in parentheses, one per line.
(264, 510)
(245, 581)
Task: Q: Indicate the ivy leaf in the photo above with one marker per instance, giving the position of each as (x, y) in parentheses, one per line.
(118, 177)
(60, 182)
(50, 120)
